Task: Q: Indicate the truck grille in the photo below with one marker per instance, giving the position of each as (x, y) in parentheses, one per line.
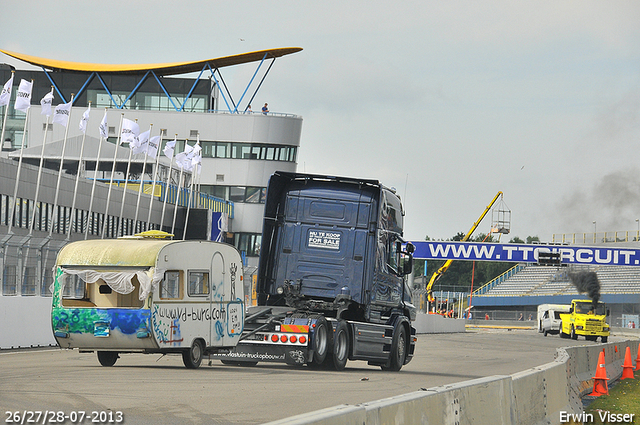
(593, 326)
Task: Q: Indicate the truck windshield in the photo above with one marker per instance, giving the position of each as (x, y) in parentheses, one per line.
(587, 307)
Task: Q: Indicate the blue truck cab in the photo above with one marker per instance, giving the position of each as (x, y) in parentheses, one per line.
(333, 245)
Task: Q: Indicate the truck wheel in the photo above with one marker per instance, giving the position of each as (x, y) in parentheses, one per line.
(321, 340)
(193, 356)
(545, 333)
(107, 358)
(398, 350)
(604, 339)
(573, 333)
(341, 344)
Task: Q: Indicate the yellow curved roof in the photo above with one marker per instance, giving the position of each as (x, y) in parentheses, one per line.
(173, 68)
(112, 252)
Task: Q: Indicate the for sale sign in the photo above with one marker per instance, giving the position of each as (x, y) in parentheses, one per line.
(324, 239)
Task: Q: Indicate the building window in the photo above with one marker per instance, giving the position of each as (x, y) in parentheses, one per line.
(47, 281)
(237, 194)
(29, 281)
(9, 279)
(249, 243)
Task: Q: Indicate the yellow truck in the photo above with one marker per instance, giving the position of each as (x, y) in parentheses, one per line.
(585, 318)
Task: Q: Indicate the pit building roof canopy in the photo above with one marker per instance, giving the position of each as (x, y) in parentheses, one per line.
(159, 70)
(173, 68)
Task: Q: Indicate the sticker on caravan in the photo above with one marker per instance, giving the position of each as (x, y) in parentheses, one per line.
(323, 239)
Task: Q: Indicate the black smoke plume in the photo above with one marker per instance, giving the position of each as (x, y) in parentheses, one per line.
(587, 282)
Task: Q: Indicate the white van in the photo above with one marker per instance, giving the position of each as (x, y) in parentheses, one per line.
(148, 295)
(549, 317)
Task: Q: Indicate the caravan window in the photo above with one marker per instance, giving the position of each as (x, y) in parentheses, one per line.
(198, 283)
(171, 285)
(74, 287)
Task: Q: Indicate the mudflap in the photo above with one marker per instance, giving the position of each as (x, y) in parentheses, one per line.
(253, 353)
(412, 344)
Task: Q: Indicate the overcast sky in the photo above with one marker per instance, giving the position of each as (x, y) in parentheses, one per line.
(447, 101)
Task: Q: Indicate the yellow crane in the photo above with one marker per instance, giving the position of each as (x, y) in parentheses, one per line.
(445, 266)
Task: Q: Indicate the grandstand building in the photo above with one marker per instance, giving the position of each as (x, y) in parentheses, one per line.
(524, 287)
(240, 151)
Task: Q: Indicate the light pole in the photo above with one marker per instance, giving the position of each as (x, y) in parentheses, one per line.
(638, 231)
(594, 231)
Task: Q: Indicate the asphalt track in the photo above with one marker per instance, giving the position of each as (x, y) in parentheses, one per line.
(151, 389)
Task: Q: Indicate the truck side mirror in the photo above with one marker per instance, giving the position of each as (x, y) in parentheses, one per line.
(407, 266)
(608, 312)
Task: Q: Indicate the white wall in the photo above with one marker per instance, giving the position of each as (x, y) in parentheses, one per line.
(26, 322)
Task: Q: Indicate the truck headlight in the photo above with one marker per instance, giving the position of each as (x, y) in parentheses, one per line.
(579, 327)
(280, 290)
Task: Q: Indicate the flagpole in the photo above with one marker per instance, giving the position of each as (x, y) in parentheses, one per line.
(15, 189)
(124, 192)
(175, 206)
(6, 110)
(75, 188)
(166, 189)
(113, 170)
(93, 185)
(144, 165)
(35, 199)
(186, 218)
(54, 216)
(153, 184)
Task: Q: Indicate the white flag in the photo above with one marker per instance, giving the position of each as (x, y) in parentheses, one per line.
(183, 159)
(23, 96)
(46, 102)
(130, 131)
(85, 119)
(61, 113)
(196, 157)
(169, 148)
(5, 96)
(104, 130)
(141, 143)
(154, 143)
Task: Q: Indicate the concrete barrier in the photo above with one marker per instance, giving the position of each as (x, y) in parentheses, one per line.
(536, 396)
(436, 324)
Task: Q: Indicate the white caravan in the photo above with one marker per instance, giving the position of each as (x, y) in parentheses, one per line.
(148, 295)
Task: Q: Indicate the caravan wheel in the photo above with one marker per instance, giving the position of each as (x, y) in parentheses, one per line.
(107, 358)
(193, 356)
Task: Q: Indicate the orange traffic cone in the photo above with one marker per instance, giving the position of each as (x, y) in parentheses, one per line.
(600, 386)
(627, 367)
(638, 359)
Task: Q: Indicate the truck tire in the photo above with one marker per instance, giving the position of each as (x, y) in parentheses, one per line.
(398, 349)
(193, 356)
(321, 339)
(545, 333)
(604, 339)
(573, 333)
(107, 358)
(341, 344)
